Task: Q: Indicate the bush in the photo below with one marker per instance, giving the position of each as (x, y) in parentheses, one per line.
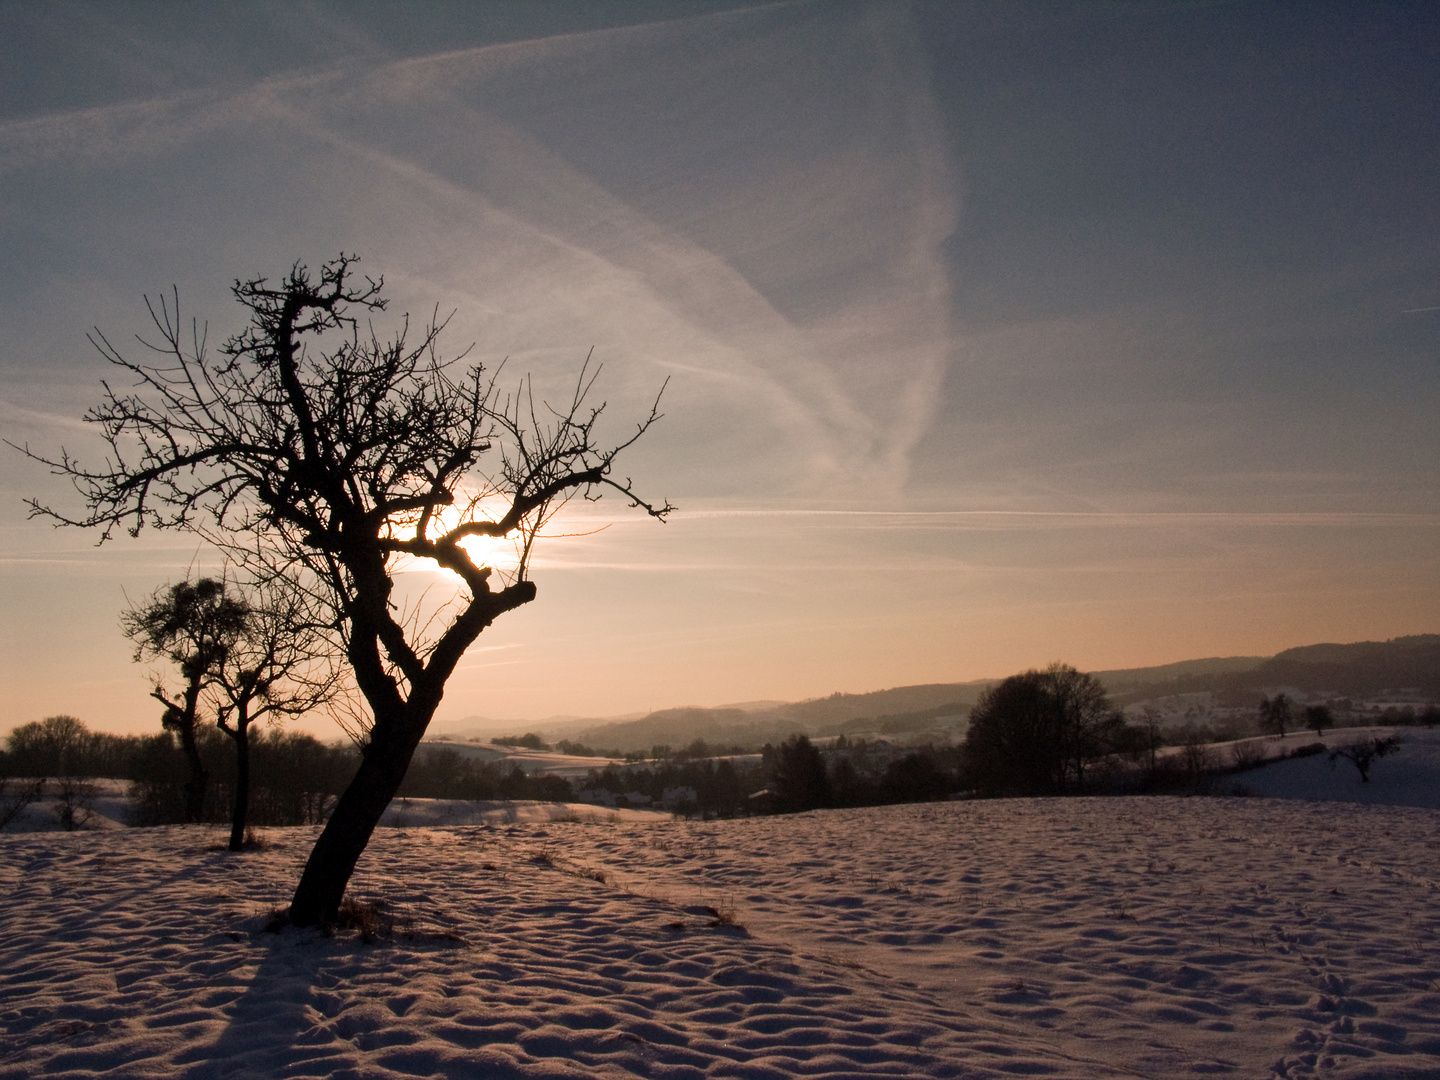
(1247, 754)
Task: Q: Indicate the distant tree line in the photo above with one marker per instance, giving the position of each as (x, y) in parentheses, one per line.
(1050, 732)
(295, 777)
(696, 750)
(1042, 732)
(722, 787)
(440, 772)
(793, 776)
(529, 740)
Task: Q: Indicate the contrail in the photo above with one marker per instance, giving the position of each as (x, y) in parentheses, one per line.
(1418, 310)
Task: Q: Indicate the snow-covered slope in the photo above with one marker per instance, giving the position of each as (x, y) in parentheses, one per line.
(1409, 777)
(1082, 938)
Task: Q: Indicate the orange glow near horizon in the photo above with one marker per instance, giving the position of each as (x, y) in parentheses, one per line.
(990, 335)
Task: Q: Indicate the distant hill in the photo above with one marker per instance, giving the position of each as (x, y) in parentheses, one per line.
(1362, 669)
(833, 715)
(1123, 679)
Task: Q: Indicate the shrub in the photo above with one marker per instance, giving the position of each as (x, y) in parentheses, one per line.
(1247, 754)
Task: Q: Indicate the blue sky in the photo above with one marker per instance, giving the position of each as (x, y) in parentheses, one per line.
(995, 333)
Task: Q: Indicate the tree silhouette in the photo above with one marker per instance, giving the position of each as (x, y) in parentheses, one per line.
(193, 625)
(279, 665)
(1318, 718)
(1033, 734)
(1275, 714)
(1363, 754)
(311, 450)
(54, 746)
(800, 779)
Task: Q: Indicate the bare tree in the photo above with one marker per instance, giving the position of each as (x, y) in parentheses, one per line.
(279, 665)
(74, 802)
(1275, 714)
(16, 795)
(193, 625)
(1154, 737)
(1318, 718)
(1088, 724)
(310, 449)
(1364, 753)
(1034, 733)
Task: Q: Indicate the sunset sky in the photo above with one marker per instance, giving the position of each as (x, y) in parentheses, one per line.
(996, 333)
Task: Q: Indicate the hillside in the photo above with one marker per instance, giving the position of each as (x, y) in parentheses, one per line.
(917, 706)
(1366, 667)
(1125, 679)
(1403, 666)
(1363, 669)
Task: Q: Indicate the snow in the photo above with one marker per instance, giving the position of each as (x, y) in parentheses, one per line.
(1156, 937)
(1410, 777)
(112, 808)
(411, 813)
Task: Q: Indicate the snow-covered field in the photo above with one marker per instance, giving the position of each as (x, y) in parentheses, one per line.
(1411, 777)
(1083, 937)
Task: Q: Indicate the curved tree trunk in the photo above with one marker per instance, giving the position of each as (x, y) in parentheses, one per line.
(332, 861)
(242, 784)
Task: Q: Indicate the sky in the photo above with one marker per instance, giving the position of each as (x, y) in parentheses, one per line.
(991, 334)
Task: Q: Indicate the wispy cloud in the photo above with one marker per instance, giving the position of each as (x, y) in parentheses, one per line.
(818, 352)
(12, 413)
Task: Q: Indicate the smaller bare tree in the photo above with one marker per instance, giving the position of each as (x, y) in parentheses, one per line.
(1364, 753)
(1197, 758)
(1318, 718)
(16, 795)
(1151, 725)
(74, 802)
(1246, 754)
(193, 625)
(281, 664)
(1275, 714)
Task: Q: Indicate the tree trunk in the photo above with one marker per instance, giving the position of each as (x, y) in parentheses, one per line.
(199, 778)
(242, 785)
(332, 860)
